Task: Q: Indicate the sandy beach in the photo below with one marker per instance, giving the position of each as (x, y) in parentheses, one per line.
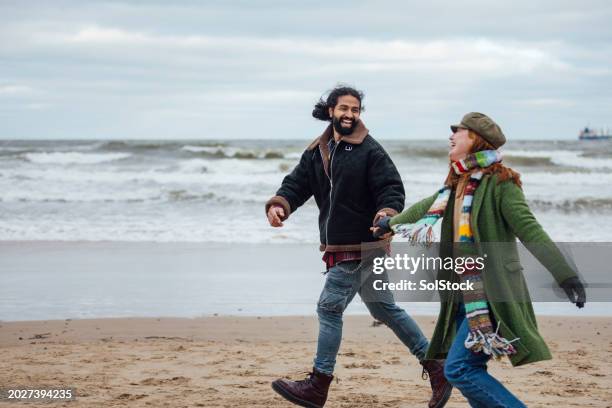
(230, 361)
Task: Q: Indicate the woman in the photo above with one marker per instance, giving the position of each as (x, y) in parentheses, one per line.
(482, 202)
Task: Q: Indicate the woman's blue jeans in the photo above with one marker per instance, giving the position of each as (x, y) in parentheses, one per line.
(467, 371)
(343, 282)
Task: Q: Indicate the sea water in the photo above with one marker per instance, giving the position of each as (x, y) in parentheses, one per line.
(213, 193)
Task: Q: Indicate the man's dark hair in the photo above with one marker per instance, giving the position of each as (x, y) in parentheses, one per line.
(321, 109)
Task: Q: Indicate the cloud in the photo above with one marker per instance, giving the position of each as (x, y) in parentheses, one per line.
(15, 90)
(133, 68)
(473, 55)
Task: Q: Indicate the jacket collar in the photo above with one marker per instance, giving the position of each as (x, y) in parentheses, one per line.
(356, 137)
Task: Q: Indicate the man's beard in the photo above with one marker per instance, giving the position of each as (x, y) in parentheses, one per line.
(344, 131)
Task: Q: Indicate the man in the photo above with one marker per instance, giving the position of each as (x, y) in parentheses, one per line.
(354, 183)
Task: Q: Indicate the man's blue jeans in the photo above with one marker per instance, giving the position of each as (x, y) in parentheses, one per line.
(467, 371)
(343, 282)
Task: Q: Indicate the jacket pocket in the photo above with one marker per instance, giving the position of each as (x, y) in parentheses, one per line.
(349, 266)
(338, 290)
(513, 265)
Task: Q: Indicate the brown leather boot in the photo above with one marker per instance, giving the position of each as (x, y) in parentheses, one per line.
(310, 392)
(440, 387)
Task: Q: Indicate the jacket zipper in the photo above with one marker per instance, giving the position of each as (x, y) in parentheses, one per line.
(331, 185)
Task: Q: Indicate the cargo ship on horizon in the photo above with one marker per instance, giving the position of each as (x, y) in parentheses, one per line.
(592, 134)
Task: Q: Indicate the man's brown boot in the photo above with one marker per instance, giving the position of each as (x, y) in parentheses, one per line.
(440, 387)
(310, 392)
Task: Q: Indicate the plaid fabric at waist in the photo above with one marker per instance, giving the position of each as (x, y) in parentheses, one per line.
(334, 258)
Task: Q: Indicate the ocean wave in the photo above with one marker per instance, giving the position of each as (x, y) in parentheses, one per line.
(556, 160)
(73, 157)
(185, 195)
(598, 154)
(174, 196)
(563, 181)
(421, 152)
(8, 152)
(228, 152)
(576, 205)
(123, 197)
(134, 146)
(565, 158)
(60, 192)
(80, 194)
(526, 161)
(230, 173)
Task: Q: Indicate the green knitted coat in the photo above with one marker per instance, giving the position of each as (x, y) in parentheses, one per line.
(499, 214)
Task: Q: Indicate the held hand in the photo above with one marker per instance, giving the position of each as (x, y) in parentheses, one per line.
(380, 214)
(382, 229)
(275, 216)
(574, 289)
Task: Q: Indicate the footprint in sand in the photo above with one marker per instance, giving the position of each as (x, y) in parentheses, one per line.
(585, 367)
(368, 365)
(131, 397)
(238, 385)
(162, 381)
(392, 361)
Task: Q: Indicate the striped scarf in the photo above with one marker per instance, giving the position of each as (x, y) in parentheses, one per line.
(481, 337)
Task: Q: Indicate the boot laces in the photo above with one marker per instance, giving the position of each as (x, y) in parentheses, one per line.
(310, 374)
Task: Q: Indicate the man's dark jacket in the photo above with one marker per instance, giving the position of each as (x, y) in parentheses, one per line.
(350, 187)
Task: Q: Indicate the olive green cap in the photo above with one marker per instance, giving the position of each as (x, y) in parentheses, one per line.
(484, 126)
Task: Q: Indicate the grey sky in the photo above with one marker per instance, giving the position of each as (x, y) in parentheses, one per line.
(254, 69)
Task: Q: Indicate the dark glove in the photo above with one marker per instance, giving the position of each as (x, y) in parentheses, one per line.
(575, 291)
(383, 227)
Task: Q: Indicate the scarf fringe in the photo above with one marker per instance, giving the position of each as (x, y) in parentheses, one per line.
(423, 233)
(491, 344)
